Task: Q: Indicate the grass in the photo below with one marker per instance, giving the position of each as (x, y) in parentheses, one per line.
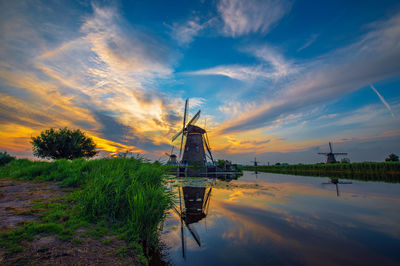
(368, 171)
(126, 196)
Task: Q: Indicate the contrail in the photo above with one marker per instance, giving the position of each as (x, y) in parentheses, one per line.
(382, 99)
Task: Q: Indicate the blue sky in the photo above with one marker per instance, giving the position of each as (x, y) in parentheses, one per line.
(275, 80)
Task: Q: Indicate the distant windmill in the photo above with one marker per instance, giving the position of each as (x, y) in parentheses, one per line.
(330, 156)
(255, 162)
(196, 140)
(172, 157)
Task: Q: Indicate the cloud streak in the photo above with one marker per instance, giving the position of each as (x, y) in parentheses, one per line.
(273, 66)
(184, 33)
(382, 99)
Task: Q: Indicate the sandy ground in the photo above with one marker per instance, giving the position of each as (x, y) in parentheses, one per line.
(16, 201)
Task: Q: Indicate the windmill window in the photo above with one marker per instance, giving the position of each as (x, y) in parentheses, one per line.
(187, 148)
(197, 148)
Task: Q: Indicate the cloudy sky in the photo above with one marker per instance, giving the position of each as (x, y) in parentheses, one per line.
(274, 79)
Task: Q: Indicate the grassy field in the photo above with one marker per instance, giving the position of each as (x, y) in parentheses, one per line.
(369, 171)
(125, 196)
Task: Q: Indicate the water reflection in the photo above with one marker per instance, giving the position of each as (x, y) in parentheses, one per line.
(255, 173)
(335, 182)
(227, 176)
(282, 219)
(194, 208)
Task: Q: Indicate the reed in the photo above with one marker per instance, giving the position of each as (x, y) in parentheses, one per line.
(124, 193)
(368, 171)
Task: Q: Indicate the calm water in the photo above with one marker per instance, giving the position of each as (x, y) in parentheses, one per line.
(282, 219)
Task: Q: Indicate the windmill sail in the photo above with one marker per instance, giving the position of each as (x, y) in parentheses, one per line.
(184, 124)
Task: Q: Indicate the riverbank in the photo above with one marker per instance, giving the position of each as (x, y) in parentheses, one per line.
(368, 171)
(120, 199)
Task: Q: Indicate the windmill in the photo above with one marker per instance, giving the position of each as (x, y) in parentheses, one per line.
(196, 203)
(255, 162)
(330, 156)
(196, 140)
(172, 157)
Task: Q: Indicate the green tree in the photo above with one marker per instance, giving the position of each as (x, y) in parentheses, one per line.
(392, 158)
(63, 143)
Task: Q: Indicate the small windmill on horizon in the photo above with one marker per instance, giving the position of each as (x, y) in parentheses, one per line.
(255, 162)
(330, 156)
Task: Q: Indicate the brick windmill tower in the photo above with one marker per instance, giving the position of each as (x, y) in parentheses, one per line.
(330, 156)
(196, 141)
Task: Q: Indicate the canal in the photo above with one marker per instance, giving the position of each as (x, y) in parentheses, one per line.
(279, 219)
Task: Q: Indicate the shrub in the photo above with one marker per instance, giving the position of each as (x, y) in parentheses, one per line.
(5, 158)
(63, 143)
(392, 158)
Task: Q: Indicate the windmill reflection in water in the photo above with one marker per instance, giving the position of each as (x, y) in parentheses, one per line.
(335, 182)
(194, 208)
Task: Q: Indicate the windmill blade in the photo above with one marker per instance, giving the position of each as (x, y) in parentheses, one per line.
(184, 125)
(177, 212)
(180, 150)
(323, 153)
(208, 196)
(194, 234)
(182, 239)
(330, 147)
(208, 202)
(176, 136)
(168, 154)
(340, 153)
(208, 147)
(186, 113)
(182, 227)
(194, 118)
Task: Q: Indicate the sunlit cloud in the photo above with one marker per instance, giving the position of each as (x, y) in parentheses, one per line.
(109, 68)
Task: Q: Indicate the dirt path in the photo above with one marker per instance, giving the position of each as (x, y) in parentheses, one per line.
(16, 201)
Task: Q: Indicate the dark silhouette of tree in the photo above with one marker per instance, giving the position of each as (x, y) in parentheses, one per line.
(392, 158)
(5, 158)
(63, 143)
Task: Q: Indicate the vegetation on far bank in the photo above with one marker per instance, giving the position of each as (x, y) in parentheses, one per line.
(123, 195)
(370, 171)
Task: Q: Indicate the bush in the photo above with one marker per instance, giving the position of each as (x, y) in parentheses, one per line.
(5, 158)
(63, 144)
(392, 158)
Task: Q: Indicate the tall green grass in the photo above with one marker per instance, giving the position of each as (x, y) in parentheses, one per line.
(128, 194)
(369, 171)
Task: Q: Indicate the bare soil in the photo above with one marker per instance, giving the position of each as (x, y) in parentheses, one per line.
(16, 201)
